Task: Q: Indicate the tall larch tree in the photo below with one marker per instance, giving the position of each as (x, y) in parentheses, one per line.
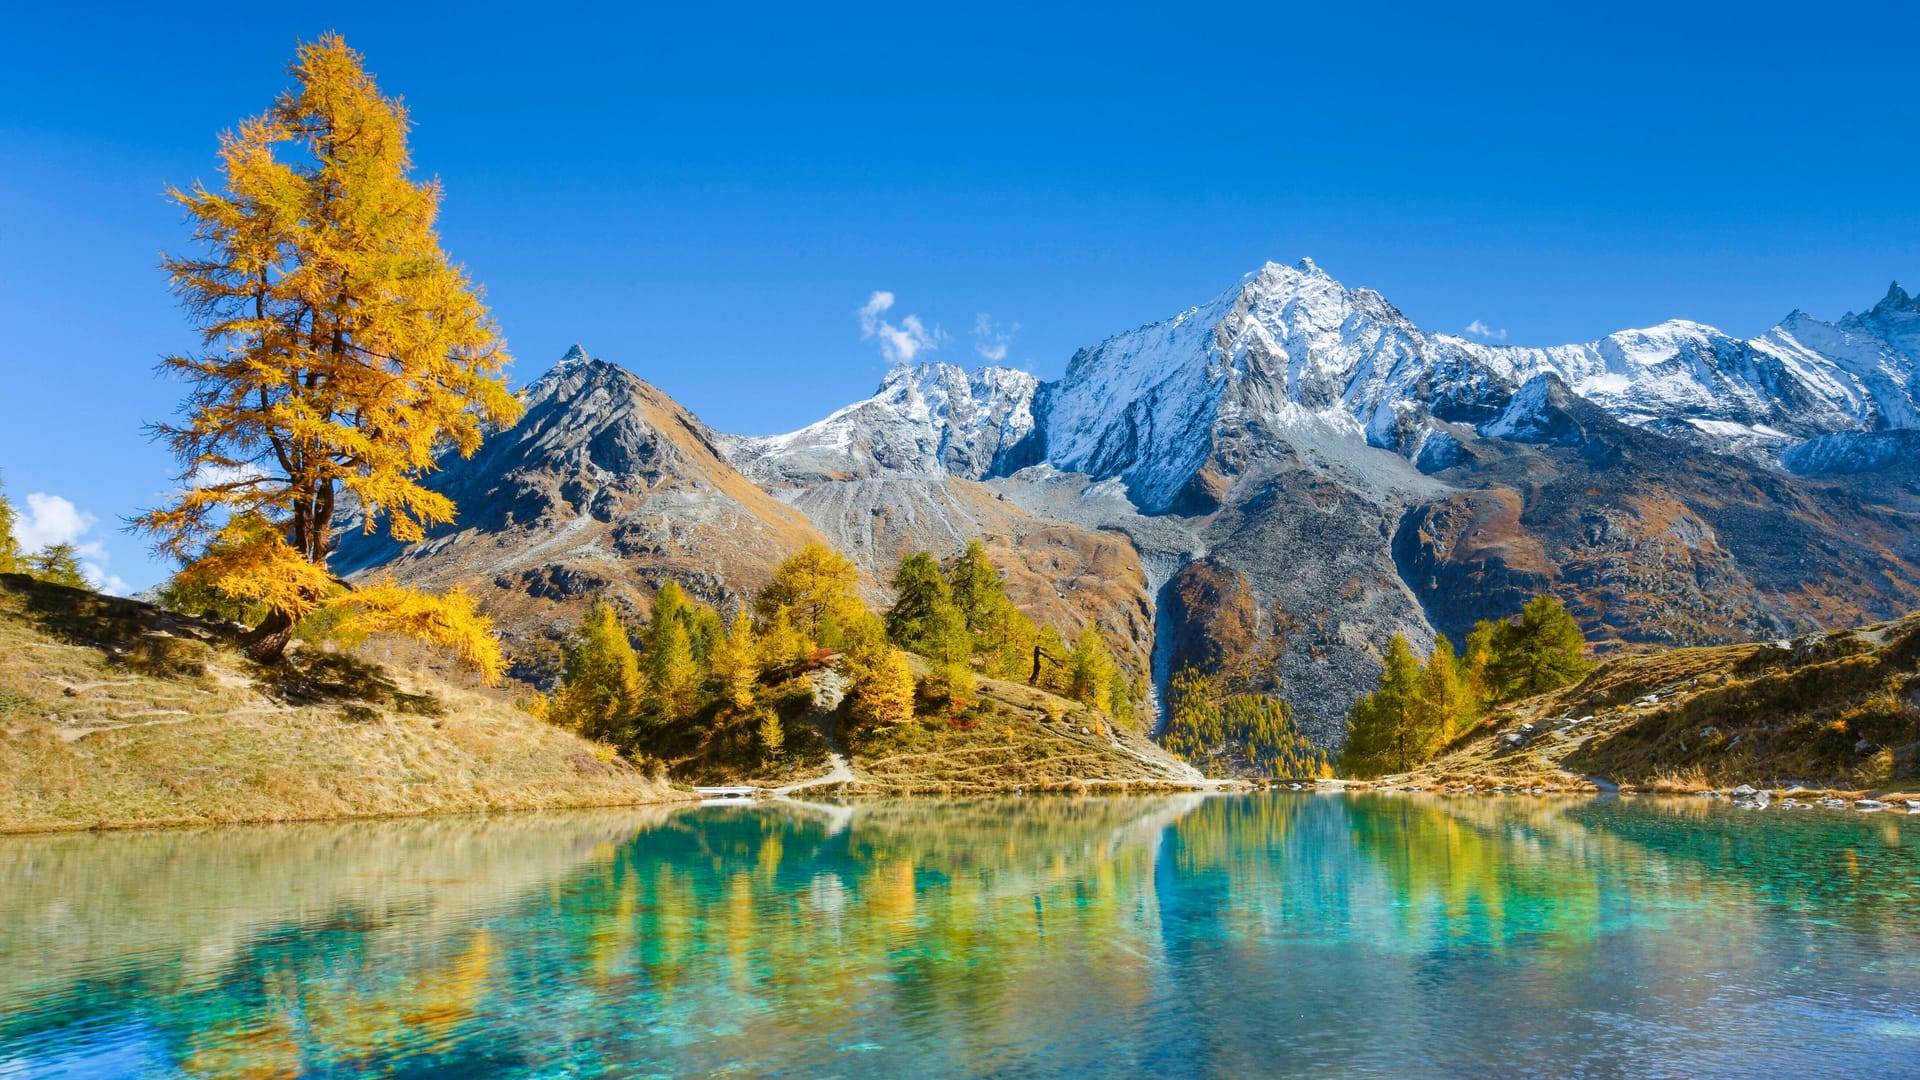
(603, 686)
(1444, 701)
(816, 585)
(58, 564)
(1381, 734)
(342, 352)
(976, 585)
(1090, 670)
(736, 662)
(1542, 650)
(882, 686)
(780, 644)
(672, 673)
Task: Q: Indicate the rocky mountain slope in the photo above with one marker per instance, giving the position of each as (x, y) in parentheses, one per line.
(1270, 484)
(605, 487)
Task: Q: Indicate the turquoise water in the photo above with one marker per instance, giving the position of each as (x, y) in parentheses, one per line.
(1238, 935)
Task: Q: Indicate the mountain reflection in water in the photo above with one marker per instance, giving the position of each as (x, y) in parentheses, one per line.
(1246, 935)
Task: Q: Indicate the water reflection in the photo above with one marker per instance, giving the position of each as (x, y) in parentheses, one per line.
(1182, 935)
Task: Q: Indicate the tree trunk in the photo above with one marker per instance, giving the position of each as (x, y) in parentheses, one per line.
(268, 642)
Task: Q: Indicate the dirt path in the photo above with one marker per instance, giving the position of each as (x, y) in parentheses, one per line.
(829, 689)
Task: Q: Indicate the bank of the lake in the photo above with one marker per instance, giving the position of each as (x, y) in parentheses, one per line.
(116, 714)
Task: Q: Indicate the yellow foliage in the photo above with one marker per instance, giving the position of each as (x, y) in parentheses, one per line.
(451, 620)
(816, 585)
(250, 560)
(883, 690)
(737, 662)
(341, 350)
(780, 643)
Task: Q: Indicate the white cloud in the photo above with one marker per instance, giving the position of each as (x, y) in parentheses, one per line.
(899, 344)
(990, 339)
(1480, 329)
(51, 520)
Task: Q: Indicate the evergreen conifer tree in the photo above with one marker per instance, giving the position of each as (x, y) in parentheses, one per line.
(919, 593)
(976, 586)
(58, 564)
(1120, 693)
(1381, 737)
(1543, 650)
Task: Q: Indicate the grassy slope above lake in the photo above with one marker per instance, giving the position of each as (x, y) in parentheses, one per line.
(1008, 736)
(116, 713)
(1837, 710)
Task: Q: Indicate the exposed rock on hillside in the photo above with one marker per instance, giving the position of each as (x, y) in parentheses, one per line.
(606, 487)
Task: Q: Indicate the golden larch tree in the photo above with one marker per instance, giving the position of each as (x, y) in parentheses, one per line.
(341, 353)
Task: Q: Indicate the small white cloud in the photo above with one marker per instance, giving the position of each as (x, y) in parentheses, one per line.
(51, 520)
(899, 344)
(1480, 329)
(990, 339)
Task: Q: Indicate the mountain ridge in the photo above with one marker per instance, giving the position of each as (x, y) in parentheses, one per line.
(1294, 459)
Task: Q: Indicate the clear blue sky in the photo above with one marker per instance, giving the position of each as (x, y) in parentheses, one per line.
(709, 193)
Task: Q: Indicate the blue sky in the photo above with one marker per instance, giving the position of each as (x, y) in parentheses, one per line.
(709, 195)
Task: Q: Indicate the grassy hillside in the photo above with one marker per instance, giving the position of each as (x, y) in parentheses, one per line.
(115, 713)
(1009, 736)
(1012, 735)
(1837, 710)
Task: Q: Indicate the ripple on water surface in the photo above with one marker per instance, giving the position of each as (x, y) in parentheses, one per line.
(1243, 935)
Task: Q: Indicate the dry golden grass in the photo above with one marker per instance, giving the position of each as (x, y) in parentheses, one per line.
(117, 714)
(1010, 736)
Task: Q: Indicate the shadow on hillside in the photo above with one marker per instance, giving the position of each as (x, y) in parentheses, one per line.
(151, 641)
(311, 677)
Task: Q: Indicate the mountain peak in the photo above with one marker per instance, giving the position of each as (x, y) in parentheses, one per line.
(1897, 300)
(903, 374)
(1305, 269)
(575, 354)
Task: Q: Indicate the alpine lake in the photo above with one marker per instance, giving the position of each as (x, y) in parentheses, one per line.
(1232, 935)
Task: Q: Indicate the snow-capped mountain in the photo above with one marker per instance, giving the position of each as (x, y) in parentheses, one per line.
(1267, 486)
(925, 420)
(1289, 346)
(1290, 341)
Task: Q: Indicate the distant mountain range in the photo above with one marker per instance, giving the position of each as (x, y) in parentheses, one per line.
(1269, 485)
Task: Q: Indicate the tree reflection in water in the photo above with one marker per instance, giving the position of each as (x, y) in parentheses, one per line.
(1182, 935)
